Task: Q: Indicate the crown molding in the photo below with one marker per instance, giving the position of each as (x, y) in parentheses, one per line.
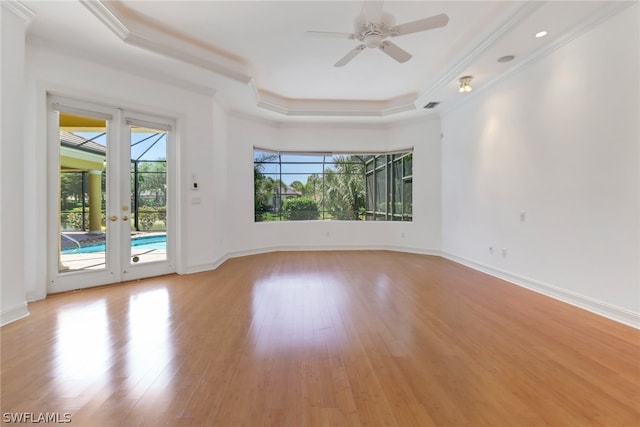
(19, 9)
(607, 12)
(469, 57)
(420, 117)
(332, 107)
(101, 11)
(136, 70)
(143, 34)
(137, 31)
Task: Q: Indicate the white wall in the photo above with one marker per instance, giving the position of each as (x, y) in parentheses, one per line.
(196, 116)
(424, 233)
(246, 236)
(219, 214)
(216, 221)
(12, 268)
(558, 140)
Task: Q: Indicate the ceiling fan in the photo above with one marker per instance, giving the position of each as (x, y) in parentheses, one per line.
(373, 26)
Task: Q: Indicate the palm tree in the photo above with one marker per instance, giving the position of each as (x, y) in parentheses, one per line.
(263, 186)
(344, 195)
(313, 187)
(299, 187)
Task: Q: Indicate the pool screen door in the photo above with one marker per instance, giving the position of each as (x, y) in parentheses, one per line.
(110, 180)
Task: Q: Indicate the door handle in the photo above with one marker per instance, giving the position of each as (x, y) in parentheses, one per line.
(113, 218)
(124, 218)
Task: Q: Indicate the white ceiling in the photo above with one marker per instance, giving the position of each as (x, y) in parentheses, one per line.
(255, 57)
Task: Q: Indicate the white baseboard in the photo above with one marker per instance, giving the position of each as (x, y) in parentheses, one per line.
(609, 311)
(14, 313)
(598, 307)
(212, 266)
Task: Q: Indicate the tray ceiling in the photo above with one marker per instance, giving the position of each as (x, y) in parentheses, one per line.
(255, 57)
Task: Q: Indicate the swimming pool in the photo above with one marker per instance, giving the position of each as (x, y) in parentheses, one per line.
(143, 243)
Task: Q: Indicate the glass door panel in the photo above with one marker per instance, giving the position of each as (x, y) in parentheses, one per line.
(148, 178)
(108, 196)
(82, 193)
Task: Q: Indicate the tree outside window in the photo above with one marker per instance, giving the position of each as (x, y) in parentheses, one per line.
(354, 187)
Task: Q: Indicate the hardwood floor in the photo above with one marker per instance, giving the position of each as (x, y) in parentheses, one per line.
(321, 339)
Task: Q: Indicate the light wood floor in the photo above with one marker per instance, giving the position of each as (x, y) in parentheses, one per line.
(321, 338)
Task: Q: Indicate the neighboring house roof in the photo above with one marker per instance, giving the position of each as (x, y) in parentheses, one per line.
(287, 191)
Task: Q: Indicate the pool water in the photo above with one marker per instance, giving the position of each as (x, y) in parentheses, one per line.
(145, 243)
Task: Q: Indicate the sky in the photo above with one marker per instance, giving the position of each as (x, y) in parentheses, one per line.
(140, 141)
(295, 167)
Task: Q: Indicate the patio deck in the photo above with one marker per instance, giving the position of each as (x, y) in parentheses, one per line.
(97, 260)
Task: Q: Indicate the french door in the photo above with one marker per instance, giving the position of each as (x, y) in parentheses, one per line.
(110, 181)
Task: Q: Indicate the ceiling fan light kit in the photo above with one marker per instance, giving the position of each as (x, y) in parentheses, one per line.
(372, 32)
(465, 84)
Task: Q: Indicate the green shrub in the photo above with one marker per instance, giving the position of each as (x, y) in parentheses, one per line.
(147, 216)
(162, 214)
(74, 218)
(300, 208)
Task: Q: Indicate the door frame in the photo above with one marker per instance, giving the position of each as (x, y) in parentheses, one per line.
(117, 268)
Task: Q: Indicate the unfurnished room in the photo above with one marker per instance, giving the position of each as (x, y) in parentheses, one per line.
(320, 213)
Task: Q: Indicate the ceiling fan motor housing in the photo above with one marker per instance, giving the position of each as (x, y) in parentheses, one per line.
(373, 34)
(373, 40)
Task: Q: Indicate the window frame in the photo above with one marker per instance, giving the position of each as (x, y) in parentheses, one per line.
(396, 207)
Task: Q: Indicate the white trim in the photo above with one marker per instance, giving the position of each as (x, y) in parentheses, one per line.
(156, 125)
(59, 104)
(593, 21)
(332, 107)
(335, 123)
(135, 31)
(19, 9)
(469, 57)
(117, 268)
(145, 35)
(284, 152)
(14, 313)
(600, 308)
(121, 66)
(104, 14)
(269, 249)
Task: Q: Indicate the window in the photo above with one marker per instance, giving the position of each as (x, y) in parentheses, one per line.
(389, 187)
(306, 186)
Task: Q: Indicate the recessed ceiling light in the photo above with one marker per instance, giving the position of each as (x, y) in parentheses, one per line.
(541, 34)
(506, 58)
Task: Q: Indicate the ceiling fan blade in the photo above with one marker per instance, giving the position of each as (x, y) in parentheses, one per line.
(329, 34)
(349, 56)
(372, 11)
(425, 24)
(394, 51)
